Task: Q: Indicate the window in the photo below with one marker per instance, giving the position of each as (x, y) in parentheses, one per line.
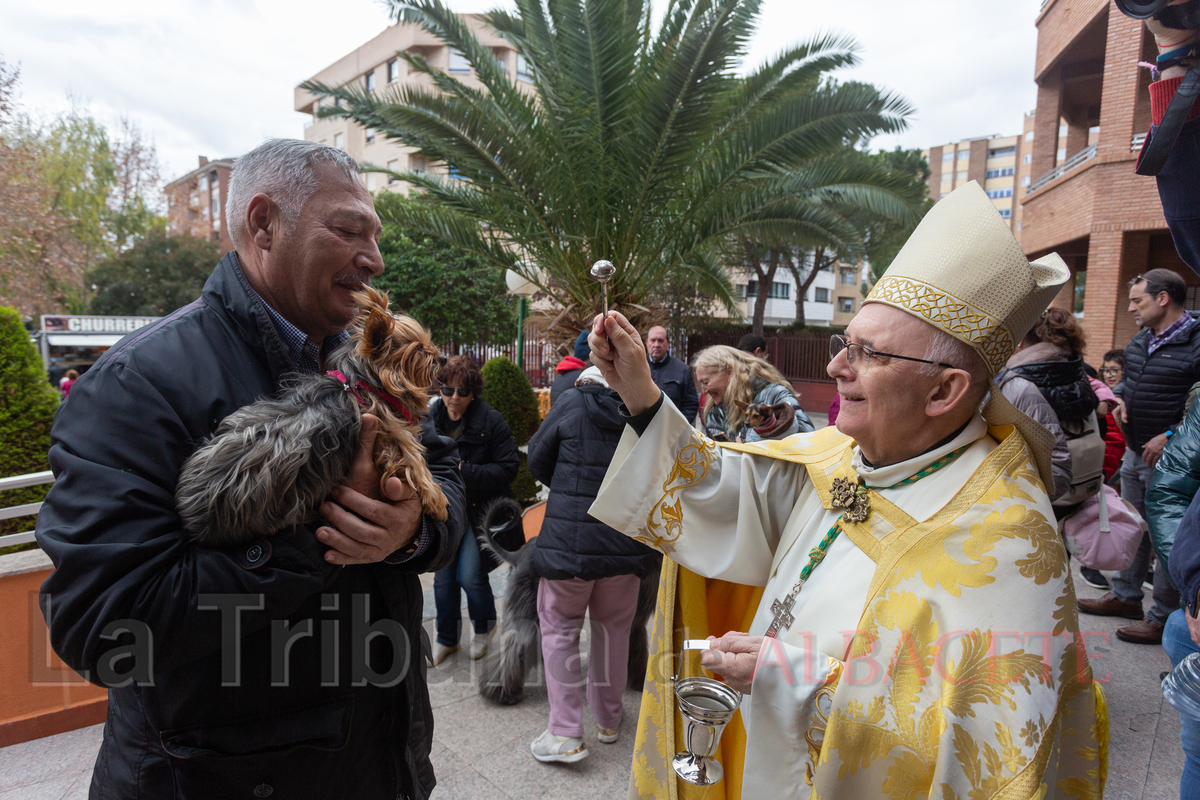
(203, 183)
(1003, 172)
(1027, 159)
(458, 62)
(393, 165)
(337, 101)
(947, 155)
(204, 213)
(1029, 136)
(417, 164)
(1062, 130)
(370, 81)
(501, 63)
(339, 141)
(524, 71)
(822, 295)
(393, 70)
(739, 293)
(370, 135)
(998, 193)
(847, 276)
(779, 291)
(1006, 213)
(846, 305)
(212, 179)
(1025, 181)
(216, 208)
(963, 155)
(962, 176)
(1061, 154)
(1001, 152)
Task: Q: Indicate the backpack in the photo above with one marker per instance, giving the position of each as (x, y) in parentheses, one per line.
(1087, 459)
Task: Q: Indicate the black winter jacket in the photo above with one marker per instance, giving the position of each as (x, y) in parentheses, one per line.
(1156, 387)
(214, 722)
(1064, 384)
(570, 453)
(675, 379)
(487, 449)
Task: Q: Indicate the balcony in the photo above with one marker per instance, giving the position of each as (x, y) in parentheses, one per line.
(1074, 162)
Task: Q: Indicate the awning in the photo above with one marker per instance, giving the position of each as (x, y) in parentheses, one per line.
(84, 339)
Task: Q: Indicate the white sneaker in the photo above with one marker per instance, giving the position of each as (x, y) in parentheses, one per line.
(440, 651)
(479, 645)
(607, 735)
(563, 749)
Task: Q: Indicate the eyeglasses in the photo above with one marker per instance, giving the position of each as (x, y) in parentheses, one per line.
(1109, 370)
(859, 356)
(450, 391)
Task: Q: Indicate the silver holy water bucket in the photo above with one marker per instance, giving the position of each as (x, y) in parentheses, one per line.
(707, 706)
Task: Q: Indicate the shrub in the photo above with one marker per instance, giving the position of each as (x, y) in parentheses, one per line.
(27, 406)
(506, 389)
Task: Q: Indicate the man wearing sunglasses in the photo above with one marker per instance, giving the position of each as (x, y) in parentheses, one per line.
(915, 610)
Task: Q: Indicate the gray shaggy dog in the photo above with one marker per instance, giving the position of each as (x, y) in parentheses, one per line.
(269, 465)
(517, 644)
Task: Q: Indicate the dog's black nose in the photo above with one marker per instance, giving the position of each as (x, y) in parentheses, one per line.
(442, 360)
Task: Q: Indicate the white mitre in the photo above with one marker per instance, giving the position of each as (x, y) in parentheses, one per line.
(964, 273)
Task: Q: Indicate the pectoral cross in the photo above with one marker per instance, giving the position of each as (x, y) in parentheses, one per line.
(782, 609)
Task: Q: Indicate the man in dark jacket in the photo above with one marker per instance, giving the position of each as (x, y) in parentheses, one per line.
(1162, 362)
(290, 667)
(570, 367)
(670, 374)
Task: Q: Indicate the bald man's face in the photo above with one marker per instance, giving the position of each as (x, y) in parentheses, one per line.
(657, 345)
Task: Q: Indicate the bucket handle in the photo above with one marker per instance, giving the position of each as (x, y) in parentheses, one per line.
(689, 644)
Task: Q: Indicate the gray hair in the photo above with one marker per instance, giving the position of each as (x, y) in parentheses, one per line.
(284, 170)
(946, 349)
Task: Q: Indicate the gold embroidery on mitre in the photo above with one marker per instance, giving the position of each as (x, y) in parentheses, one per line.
(955, 316)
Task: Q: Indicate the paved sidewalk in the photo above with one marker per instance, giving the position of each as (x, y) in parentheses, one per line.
(481, 751)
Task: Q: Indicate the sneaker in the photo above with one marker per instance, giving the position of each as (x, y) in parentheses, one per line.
(607, 735)
(440, 651)
(479, 645)
(1094, 578)
(563, 749)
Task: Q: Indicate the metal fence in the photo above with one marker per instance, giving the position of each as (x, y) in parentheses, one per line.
(799, 358)
(540, 359)
(12, 512)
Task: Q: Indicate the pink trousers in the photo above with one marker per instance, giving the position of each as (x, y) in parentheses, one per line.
(611, 603)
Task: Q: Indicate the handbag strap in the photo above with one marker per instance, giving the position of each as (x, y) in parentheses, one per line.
(1104, 527)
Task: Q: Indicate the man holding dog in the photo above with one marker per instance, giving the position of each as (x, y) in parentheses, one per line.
(291, 667)
(915, 631)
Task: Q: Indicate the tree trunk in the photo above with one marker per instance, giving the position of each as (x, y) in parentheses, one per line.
(765, 278)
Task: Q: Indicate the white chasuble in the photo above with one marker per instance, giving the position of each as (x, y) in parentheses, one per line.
(830, 712)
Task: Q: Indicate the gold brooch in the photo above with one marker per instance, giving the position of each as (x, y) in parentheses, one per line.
(849, 495)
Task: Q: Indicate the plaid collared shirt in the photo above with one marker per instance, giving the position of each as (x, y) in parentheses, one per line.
(306, 355)
(1180, 325)
(304, 352)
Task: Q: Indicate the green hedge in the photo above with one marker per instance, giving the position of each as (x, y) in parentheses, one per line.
(506, 389)
(27, 406)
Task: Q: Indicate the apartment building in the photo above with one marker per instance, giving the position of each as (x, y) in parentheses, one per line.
(196, 202)
(782, 295)
(376, 67)
(848, 293)
(993, 161)
(1084, 200)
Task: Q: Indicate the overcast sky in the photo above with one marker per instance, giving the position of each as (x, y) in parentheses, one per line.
(215, 77)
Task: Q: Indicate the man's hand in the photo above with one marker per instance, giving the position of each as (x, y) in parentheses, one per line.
(733, 657)
(1120, 413)
(623, 363)
(365, 527)
(1193, 626)
(1153, 450)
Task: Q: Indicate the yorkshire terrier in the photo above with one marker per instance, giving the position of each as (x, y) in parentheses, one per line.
(768, 420)
(271, 464)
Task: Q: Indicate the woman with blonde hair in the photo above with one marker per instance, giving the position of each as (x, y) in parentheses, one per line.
(748, 399)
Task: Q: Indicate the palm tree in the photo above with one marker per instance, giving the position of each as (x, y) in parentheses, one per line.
(640, 146)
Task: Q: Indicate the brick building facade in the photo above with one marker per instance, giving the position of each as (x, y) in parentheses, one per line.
(1084, 200)
(196, 202)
